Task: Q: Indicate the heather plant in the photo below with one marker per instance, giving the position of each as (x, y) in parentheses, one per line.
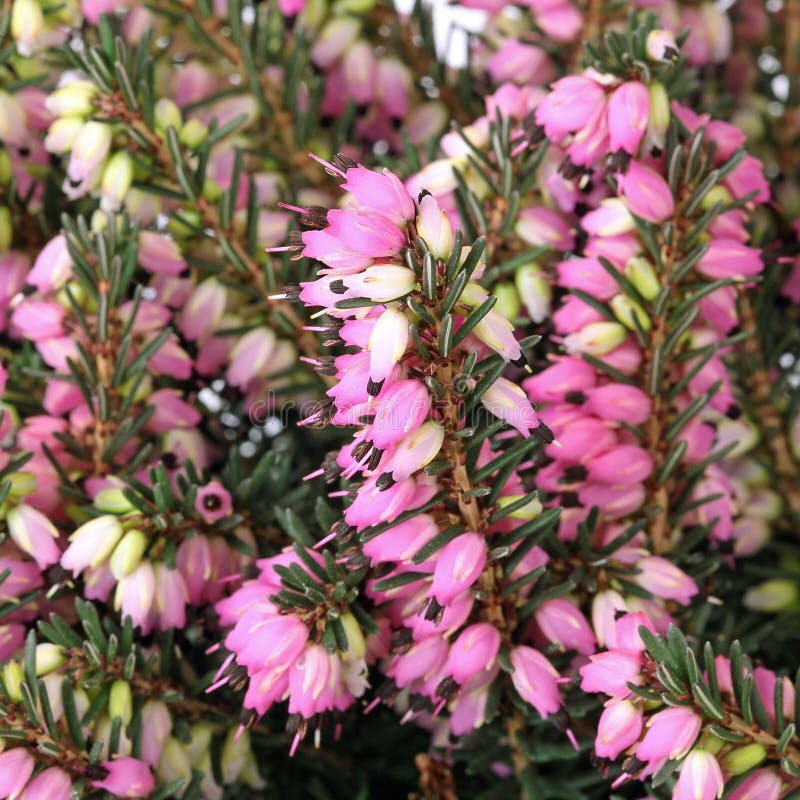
(393, 413)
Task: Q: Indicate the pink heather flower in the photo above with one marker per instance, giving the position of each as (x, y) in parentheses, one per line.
(572, 102)
(628, 113)
(16, 767)
(458, 566)
(535, 679)
(507, 401)
(422, 660)
(588, 275)
(619, 727)
(135, 593)
(127, 777)
(159, 254)
(563, 623)
(538, 225)
(250, 357)
(497, 332)
(473, 652)
(763, 784)
(171, 411)
(158, 724)
(261, 641)
(434, 227)
(551, 385)
(170, 596)
(92, 543)
(416, 451)
(624, 464)
(53, 266)
(34, 534)
(612, 217)
(663, 579)
(359, 232)
(213, 502)
(203, 310)
(700, 777)
(402, 541)
(670, 734)
(618, 402)
(646, 193)
(38, 319)
(728, 258)
(52, 784)
(401, 408)
(87, 158)
(310, 684)
(610, 673)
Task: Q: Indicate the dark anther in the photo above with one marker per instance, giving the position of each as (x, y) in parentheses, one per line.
(386, 481)
(575, 397)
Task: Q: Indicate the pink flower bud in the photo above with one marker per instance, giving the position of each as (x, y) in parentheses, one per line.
(473, 652)
(507, 401)
(135, 593)
(536, 680)
(728, 258)
(460, 563)
(563, 623)
(401, 541)
(127, 777)
(700, 777)
(53, 266)
(588, 275)
(619, 727)
(402, 408)
(16, 767)
(670, 734)
(763, 784)
(628, 114)
(663, 579)
(566, 375)
(52, 784)
(434, 227)
(38, 320)
(170, 412)
(34, 534)
(416, 451)
(169, 601)
(572, 102)
(421, 661)
(624, 464)
(619, 402)
(160, 254)
(250, 357)
(647, 194)
(611, 218)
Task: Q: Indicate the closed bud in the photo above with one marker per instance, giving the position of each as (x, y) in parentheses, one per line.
(27, 25)
(772, 596)
(658, 122)
(12, 679)
(535, 291)
(434, 227)
(382, 282)
(127, 554)
(212, 191)
(234, 754)
(639, 271)
(49, 657)
(174, 762)
(597, 338)
(92, 543)
(507, 300)
(356, 645)
(743, 759)
(625, 310)
(73, 99)
(112, 501)
(120, 701)
(62, 134)
(193, 134)
(22, 483)
(531, 509)
(717, 194)
(117, 180)
(167, 115)
(5, 166)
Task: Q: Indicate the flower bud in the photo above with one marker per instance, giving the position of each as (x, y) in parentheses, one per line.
(120, 701)
(234, 753)
(743, 759)
(193, 134)
(174, 762)
(49, 657)
(434, 227)
(92, 543)
(658, 123)
(62, 135)
(117, 180)
(112, 501)
(22, 483)
(382, 282)
(531, 509)
(5, 166)
(716, 194)
(34, 534)
(12, 679)
(639, 271)
(597, 338)
(167, 115)
(507, 300)
(27, 25)
(356, 644)
(772, 596)
(534, 290)
(73, 99)
(625, 310)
